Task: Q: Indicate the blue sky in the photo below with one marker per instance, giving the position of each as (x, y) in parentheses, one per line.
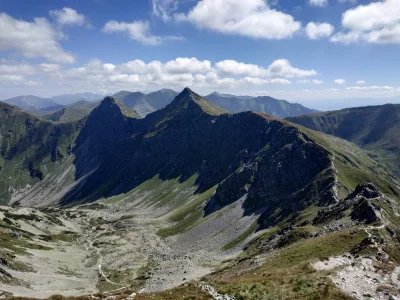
(307, 51)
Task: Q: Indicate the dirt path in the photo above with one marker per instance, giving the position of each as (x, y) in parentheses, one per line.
(358, 276)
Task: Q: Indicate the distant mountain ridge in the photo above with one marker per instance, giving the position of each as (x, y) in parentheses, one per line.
(73, 112)
(265, 104)
(68, 99)
(33, 104)
(144, 104)
(374, 128)
(148, 103)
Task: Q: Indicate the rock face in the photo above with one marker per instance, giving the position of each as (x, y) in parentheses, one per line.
(364, 210)
(359, 206)
(365, 190)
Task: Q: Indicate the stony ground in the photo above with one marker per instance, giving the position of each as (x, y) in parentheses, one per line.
(114, 247)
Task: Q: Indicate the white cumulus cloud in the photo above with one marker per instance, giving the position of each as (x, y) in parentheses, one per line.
(280, 68)
(318, 3)
(68, 16)
(376, 22)
(340, 81)
(319, 30)
(37, 39)
(138, 31)
(250, 18)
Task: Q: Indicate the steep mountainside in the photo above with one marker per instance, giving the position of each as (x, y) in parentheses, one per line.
(190, 137)
(146, 103)
(265, 104)
(31, 149)
(148, 204)
(374, 128)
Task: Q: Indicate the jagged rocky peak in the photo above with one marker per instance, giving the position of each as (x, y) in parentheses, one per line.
(365, 190)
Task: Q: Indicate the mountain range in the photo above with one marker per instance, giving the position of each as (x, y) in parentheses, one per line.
(190, 131)
(265, 104)
(248, 202)
(145, 104)
(68, 99)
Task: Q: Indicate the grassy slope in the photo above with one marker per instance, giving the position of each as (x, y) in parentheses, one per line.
(68, 114)
(374, 128)
(354, 166)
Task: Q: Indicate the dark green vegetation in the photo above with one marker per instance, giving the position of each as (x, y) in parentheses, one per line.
(265, 104)
(374, 128)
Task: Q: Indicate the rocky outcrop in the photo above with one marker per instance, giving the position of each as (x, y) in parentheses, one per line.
(365, 211)
(359, 206)
(365, 190)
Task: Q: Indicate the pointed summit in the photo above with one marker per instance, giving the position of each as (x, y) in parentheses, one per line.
(111, 107)
(190, 101)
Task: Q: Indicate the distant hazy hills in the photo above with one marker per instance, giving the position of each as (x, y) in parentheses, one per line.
(265, 104)
(33, 104)
(374, 128)
(69, 99)
(72, 107)
(73, 112)
(145, 104)
(148, 103)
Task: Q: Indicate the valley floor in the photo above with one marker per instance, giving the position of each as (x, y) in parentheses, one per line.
(120, 245)
(99, 248)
